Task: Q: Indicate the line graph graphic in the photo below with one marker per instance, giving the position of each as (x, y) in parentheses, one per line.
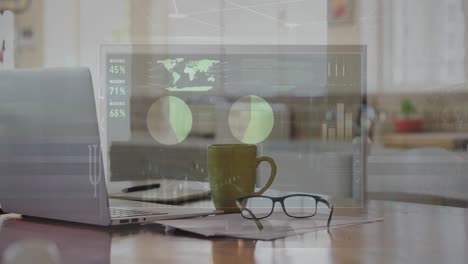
(95, 168)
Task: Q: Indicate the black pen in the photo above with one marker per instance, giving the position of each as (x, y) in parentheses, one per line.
(141, 188)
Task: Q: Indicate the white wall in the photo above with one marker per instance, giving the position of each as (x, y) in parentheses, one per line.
(243, 22)
(7, 33)
(60, 35)
(75, 30)
(424, 45)
(101, 22)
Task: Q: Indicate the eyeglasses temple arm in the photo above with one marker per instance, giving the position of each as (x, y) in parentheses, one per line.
(257, 222)
(331, 211)
(330, 216)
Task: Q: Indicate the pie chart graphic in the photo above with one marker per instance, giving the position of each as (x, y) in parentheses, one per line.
(251, 119)
(169, 120)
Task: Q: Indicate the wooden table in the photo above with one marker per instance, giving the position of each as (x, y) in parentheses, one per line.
(410, 233)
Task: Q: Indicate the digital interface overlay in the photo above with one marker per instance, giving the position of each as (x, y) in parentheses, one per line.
(261, 74)
(298, 104)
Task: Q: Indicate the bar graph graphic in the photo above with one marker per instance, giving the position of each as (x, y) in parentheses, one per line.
(340, 122)
(342, 129)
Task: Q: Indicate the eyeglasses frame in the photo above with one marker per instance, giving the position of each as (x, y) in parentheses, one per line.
(240, 201)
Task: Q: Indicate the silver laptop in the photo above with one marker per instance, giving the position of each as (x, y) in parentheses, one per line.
(51, 163)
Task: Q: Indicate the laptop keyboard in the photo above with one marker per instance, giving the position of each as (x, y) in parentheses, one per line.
(120, 213)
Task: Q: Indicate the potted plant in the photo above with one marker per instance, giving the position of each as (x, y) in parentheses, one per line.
(409, 123)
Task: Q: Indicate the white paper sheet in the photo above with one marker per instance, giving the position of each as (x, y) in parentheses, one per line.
(276, 226)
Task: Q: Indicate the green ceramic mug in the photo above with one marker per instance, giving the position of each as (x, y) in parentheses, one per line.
(232, 170)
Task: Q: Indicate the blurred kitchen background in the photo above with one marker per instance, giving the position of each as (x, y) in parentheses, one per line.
(416, 104)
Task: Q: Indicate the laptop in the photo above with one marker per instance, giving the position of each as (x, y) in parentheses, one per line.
(51, 162)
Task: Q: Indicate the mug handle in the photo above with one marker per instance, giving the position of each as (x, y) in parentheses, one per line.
(272, 176)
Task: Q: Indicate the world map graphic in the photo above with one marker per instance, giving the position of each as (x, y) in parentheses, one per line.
(190, 75)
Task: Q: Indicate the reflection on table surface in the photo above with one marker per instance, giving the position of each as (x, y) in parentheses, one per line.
(75, 243)
(410, 233)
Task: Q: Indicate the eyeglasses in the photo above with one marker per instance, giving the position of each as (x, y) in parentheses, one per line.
(257, 207)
